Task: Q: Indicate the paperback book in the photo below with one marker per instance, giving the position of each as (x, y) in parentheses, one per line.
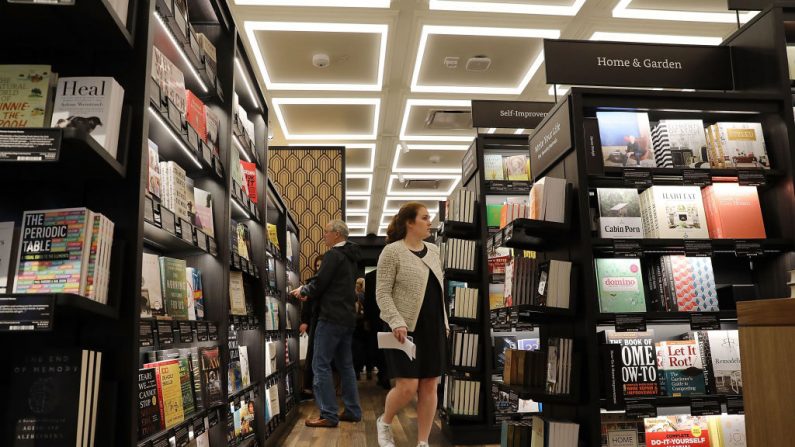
(24, 95)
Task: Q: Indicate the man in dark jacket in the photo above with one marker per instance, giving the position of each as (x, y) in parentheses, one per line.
(332, 292)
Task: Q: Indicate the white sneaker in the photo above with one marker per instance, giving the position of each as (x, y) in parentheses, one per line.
(385, 436)
(423, 444)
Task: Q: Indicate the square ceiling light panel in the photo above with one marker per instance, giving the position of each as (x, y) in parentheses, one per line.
(420, 185)
(437, 120)
(712, 11)
(433, 158)
(515, 55)
(285, 51)
(319, 3)
(358, 184)
(541, 7)
(357, 218)
(328, 118)
(357, 204)
(386, 218)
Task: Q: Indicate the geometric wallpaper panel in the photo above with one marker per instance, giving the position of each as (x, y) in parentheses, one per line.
(312, 183)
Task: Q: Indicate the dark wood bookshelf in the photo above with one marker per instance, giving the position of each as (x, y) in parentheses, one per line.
(538, 395)
(530, 234)
(167, 242)
(668, 317)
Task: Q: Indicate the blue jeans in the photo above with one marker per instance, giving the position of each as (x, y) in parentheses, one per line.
(333, 343)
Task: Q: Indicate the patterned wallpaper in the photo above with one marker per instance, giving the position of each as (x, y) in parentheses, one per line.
(312, 183)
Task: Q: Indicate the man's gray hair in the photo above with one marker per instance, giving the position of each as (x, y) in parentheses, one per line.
(340, 227)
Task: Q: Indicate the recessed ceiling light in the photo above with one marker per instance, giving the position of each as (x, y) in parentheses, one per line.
(491, 130)
(386, 217)
(512, 8)
(319, 3)
(253, 26)
(363, 192)
(462, 103)
(455, 177)
(427, 30)
(656, 38)
(375, 102)
(426, 147)
(622, 10)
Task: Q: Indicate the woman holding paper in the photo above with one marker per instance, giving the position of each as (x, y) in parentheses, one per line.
(410, 295)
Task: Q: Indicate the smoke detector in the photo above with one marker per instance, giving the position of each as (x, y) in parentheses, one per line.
(321, 60)
(478, 63)
(434, 159)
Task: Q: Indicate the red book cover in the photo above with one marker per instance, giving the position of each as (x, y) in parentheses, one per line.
(250, 177)
(160, 401)
(195, 115)
(733, 211)
(677, 431)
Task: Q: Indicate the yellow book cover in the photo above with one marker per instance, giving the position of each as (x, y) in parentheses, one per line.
(273, 235)
(713, 424)
(170, 387)
(23, 95)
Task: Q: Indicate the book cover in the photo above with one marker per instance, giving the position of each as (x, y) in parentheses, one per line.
(680, 430)
(742, 145)
(675, 212)
(617, 430)
(169, 388)
(6, 241)
(620, 285)
(211, 375)
(681, 144)
(153, 179)
(694, 284)
(169, 78)
(151, 293)
(273, 235)
(148, 409)
(638, 361)
(733, 211)
(250, 179)
(172, 284)
(90, 104)
(174, 186)
(244, 369)
(234, 378)
(193, 277)
(493, 167)
(23, 95)
(626, 139)
(237, 294)
(53, 251)
(724, 357)
(273, 394)
(502, 343)
(47, 397)
(204, 211)
(188, 403)
(619, 213)
(680, 368)
(195, 115)
(731, 430)
(213, 124)
(516, 167)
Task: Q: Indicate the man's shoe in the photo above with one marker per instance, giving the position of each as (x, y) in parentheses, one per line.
(385, 436)
(346, 417)
(319, 423)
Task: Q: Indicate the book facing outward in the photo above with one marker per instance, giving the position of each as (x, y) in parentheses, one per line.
(174, 186)
(151, 291)
(195, 115)
(90, 104)
(204, 211)
(626, 139)
(173, 287)
(493, 167)
(249, 179)
(517, 168)
(680, 367)
(638, 362)
(733, 211)
(679, 430)
(620, 285)
(24, 93)
(170, 79)
(237, 295)
(169, 392)
(153, 178)
(673, 212)
(680, 144)
(619, 213)
(737, 145)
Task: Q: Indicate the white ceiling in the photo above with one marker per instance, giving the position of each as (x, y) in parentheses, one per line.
(387, 75)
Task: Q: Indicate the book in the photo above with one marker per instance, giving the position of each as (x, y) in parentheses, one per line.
(270, 357)
(193, 276)
(617, 430)
(680, 367)
(638, 362)
(237, 294)
(90, 104)
(213, 124)
(208, 49)
(24, 95)
(673, 212)
(204, 211)
(244, 370)
(249, 179)
(174, 186)
(620, 285)
(153, 180)
(273, 235)
(723, 361)
(739, 145)
(54, 251)
(169, 391)
(679, 430)
(733, 211)
(170, 80)
(151, 292)
(6, 241)
(149, 421)
(680, 144)
(727, 430)
(211, 376)
(195, 115)
(172, 284)
(517, 168)
(693, 284)
(493, 167)
(619, 213)
(626, 139)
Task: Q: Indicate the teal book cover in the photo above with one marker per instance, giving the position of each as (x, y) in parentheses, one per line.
(681, 368)
(620, 285)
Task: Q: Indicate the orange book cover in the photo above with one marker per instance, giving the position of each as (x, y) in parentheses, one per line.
(735, 210)
(504, 216)
(195, 116)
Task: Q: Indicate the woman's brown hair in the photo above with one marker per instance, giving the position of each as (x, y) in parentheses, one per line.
(399, 225)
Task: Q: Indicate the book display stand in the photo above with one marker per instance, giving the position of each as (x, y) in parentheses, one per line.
(222, 237)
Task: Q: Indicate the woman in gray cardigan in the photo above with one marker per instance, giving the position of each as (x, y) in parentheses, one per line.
(409, 292)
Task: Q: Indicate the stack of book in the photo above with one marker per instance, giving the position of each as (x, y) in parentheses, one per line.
(65, 250)
(465, 349)
(460, 207)
(461, 396)
(503, 343)
(548, 200)
(465, 303)
(459, 254)
(540, 433)
(506, 167)
(513, 209)
(696, 431)
(170, 80)
(161, 295)
(545, 284)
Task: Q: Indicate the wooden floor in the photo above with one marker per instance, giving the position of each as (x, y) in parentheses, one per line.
(362, 434)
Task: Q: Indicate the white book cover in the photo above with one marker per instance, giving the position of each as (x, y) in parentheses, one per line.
(237, 294)
(619, 213)
(6, 241)
(743, 145)
(493, 167)
(677, 212)
(204, 211)
(169, 78)
(724, 347)
(153, 179)
(687, 143)
(152, 295)
(733, 430)
(273, 394)
(91, 104)
(244, 369)
(175, 183)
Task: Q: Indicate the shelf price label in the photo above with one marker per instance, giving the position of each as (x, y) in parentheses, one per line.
(640, 409)
(146, 334)
(42, 145)
(163, 440)
(202, 331)
(212, 418)
(751, 177)
(213, 331)
(185, 331)
(638, 178)
(698, 248)
(705, 406)
(165, 334)
(700, 321)
(630, 322)
(27, 313)
(627, 248)
(748, 248)
(734, 405)
(181, 435)
(168, 220)
(149, 210)
(696, 177)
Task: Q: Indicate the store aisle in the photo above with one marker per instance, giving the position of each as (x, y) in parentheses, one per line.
(362, 434)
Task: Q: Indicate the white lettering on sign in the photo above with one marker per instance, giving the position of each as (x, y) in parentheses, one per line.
(662, 64)
(521, 114)
(605, 62)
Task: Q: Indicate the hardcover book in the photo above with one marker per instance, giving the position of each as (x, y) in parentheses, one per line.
(733, 211)
(169, 390)
(195, 115)
(149, 421)
(237, 294)
(151, 293)
(172, 284)
(626, 139)
(204, 211)
(517, 168)
(211, 376)
(673, 212)
(493, 167)
(619, 213)
(680, 144)
(244, 371)
(638, 362)
(24, 90)
(213, 123)
(153, 179)
(249, 179)
(169, 78)
(174, 187)
(680, 368)
(727, 430)
(724, 358)
(6, 241)
(741, 145)
(90, 104)
(193, 276)
(620, 285)
(680, 430)
(694, 284)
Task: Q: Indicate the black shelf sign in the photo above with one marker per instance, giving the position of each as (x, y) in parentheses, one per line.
(551, 141)
(163, 440)
(751, 177)
(748, 248)
(627, 248)
(26, 313)
(167, 220)
(146, 334)
(704, 322)
(202, 331)
(705, 406)
(630, 322)
(696, 177)
(750, 5)
(637, 178)
(32, 144)
(212, 419)
(181, 435)
(198, 427)
(185, 332)
(640, 409)
(509, 114)
(734, 405)
(165, 334)
(698, 248)
(623, 64)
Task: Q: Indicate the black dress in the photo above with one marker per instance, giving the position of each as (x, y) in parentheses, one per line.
(429, 336)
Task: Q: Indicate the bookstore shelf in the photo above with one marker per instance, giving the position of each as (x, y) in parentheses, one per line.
(196, 161)
(538, 395)
(77, 24)
(167, 431)
(670, 401)
(461, 275)
(458, 229)
(67, 307)
(251, 387)
(536, 313)
(614, 176)
(530, 234)
(170, 243)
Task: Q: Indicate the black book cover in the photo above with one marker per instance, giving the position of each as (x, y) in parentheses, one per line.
(593, 147)
(44, 407)
(610, 374)
(148, 409)
(211, 376)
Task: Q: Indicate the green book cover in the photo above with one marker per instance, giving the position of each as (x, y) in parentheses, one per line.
(185, 382)
(175, 292)
(620, 285)
(493, 211)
